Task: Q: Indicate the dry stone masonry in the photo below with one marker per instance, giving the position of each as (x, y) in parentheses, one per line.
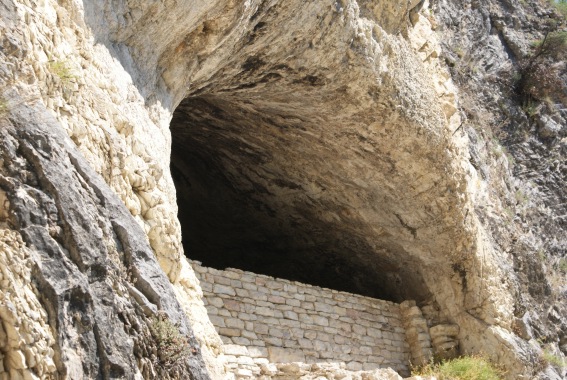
(264, 320)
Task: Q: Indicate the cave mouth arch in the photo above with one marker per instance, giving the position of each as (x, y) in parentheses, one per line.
(253, 194)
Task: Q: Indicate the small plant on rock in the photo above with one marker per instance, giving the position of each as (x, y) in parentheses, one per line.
(553, 359)
(541, 73)
(62, 70)
(463, 368)
(172, 346)
(561, 6)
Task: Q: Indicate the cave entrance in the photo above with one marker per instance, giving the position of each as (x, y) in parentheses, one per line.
(255, 193)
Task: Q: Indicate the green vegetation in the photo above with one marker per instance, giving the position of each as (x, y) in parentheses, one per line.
(554, 360)
(172, 346)
(561, 6)
(463, 368)
(62, 70)
(562, 265)
(540, 74)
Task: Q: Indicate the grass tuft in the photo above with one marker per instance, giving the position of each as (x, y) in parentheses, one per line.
(173, 347)
(62, 70)
(463, 368)
(561, 6)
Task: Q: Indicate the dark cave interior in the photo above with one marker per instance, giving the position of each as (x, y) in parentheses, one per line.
(225, 171)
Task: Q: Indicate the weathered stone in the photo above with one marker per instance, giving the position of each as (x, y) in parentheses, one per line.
(359, 96)
(285, 355)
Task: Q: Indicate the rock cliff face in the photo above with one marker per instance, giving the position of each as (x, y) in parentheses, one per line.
(344, 143)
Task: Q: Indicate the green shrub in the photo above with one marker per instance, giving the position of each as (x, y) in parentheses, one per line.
(554, 360)
(463, 368)
(172, 346)
(63, 70)
(540, 73)
(561, 6)
(562, 265)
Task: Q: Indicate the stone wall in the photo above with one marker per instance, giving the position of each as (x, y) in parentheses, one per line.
(264, 320)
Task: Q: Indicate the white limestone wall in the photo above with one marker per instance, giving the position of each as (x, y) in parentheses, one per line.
(264, 320)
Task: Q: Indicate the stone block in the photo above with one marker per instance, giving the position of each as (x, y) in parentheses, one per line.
(321, 321)
(328, 299)
(211, 310)
(273, 341)
(291, 315)
(305, 343)
(340, 311)
(265, 303)
(290, 323)
(261, 329)
(241, 340)
(271, 321)
(223, 289)
(232, 275)
(276, 299)
(222, 280)
(285, 355)
(258, 352)
(232, 305)
(310, 298)
(249, 334)
(245, 360)
(225, 313)
(375, 333)
(230, 332)
(310, 334)
(324, 337)
(319, 306)
(235, 350)
(359, 330)
(217, 321)
(320, 346)
(308, 305)
(265, 311)
(206, 287)
(247, 317)
(290, 288)
(242, 293)
(293, 302)
(234, 323)
(304, 318)
(275, 332)
(250, 286)
(330, 330)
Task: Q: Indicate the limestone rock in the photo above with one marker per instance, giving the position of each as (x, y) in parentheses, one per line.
(355, 133)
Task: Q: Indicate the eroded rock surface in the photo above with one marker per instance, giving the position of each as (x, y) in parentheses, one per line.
(334, 125)
(93, 272)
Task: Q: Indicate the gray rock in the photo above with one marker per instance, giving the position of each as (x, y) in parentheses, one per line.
(84, 271)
